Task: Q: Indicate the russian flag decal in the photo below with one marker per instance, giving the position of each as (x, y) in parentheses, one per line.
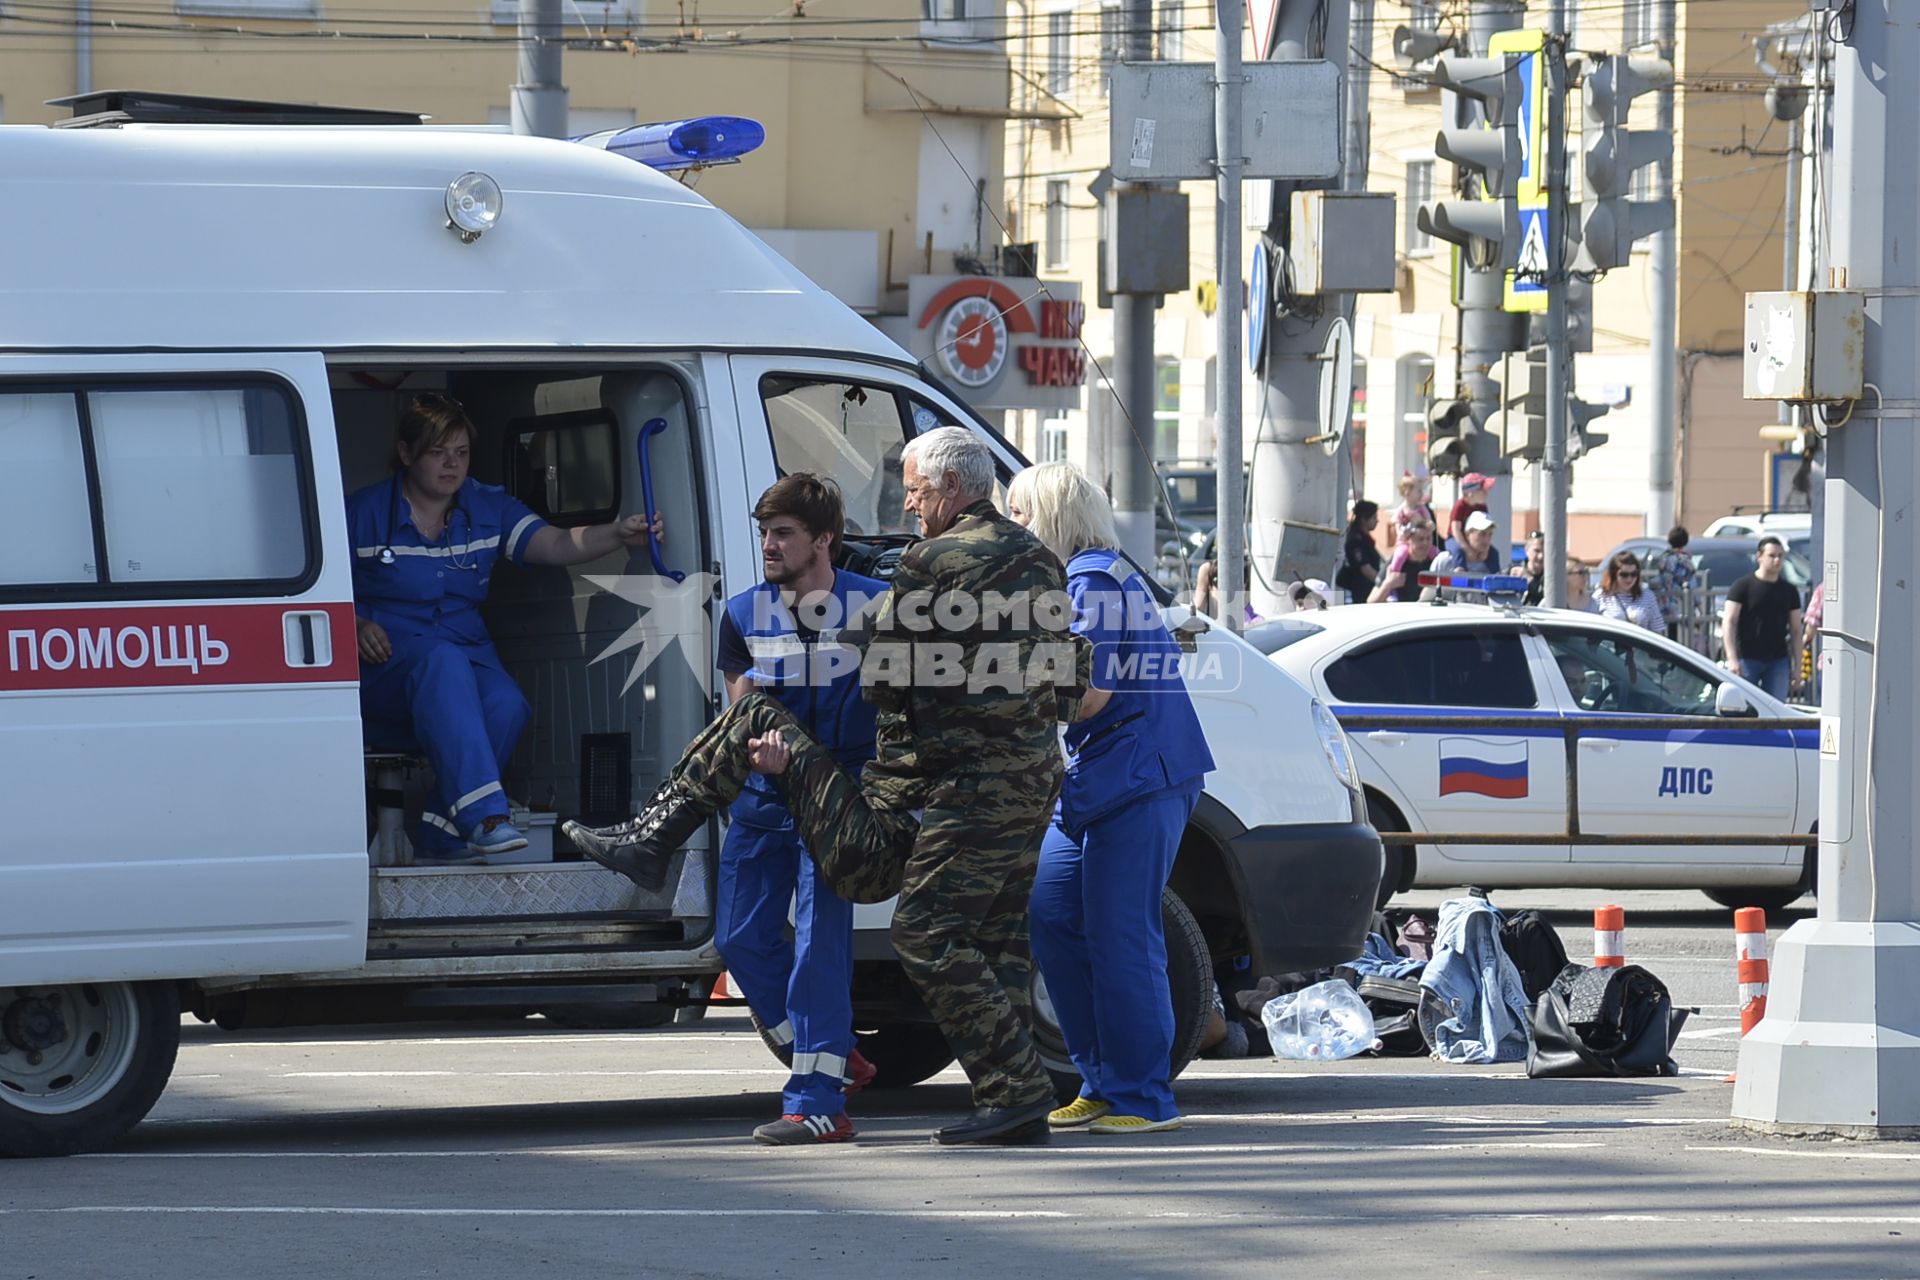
(1484, 767)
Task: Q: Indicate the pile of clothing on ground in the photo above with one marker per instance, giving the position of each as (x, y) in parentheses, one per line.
(1479, 986)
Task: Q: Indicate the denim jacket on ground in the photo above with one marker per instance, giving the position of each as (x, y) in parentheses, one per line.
(1472, 1006)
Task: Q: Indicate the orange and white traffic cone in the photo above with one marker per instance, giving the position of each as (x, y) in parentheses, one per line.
(1609, 937)
(1750, 956)
(721, 991)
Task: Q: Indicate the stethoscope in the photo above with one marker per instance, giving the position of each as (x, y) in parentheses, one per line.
(386, 555)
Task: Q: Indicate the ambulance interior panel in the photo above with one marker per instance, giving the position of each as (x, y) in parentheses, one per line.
(615, 660)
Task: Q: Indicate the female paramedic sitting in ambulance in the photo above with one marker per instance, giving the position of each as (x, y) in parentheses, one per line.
(1135, 760)
(424, 545)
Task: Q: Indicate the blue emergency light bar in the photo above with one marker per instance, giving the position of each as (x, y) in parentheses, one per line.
(1493, 584)
(682, 144)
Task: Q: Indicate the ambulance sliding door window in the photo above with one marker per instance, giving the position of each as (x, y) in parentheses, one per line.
(46, 523)
(199, 484)
(848, 432)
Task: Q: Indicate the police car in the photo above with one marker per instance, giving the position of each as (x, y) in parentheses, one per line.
(1456, 658)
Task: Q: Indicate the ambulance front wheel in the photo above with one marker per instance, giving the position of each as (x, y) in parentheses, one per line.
(1189, 986)
(82, 1065)
(904, 1053)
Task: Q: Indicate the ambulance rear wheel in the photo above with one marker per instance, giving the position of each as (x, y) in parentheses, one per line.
(1189, 985)
(1396, 873)
(81, 1065)
(904, 1053)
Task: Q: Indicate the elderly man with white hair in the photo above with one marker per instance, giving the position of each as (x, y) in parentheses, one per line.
(970, 664)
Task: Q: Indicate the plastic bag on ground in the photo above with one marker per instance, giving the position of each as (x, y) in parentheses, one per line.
(1325, 1021)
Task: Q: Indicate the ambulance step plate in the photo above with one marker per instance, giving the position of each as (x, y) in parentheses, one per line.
(531, 889)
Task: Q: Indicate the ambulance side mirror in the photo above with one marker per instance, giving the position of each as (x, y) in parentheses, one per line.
(1731, 700)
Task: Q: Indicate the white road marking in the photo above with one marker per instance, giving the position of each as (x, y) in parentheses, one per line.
(773, 1072)
(1816, 1155)
(1452, 1215)
(1709, 1032)
(1070, 1147)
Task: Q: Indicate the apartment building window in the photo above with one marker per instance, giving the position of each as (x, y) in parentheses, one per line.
(1640, 23)
(1060, 52)
(1110, 42)
(1166, 409)
(1056, 224)
(1419, 191)
(1423, 17)
(946, 10)
(1173, 34)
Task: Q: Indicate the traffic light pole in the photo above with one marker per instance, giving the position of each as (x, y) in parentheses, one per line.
(1487, 330)
(1663, 281)
(1839, 1049)
(1553, 462)
(1230, 483)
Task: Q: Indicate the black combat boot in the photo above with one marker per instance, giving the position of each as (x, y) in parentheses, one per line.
(642, 847)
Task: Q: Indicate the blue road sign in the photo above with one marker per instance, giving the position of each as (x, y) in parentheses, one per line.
(1527, 283)
(1257, 306)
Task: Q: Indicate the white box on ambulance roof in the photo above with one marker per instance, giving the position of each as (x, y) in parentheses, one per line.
(207, 330)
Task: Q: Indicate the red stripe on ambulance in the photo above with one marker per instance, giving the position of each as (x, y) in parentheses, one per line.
(176, 646)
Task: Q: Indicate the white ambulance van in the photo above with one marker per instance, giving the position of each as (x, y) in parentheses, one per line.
(208, 332)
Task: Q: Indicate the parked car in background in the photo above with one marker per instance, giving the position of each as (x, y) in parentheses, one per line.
(1781, 524)
(1553, 665)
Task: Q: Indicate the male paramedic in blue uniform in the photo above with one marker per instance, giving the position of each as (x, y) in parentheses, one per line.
(776, 638)
(424, 545)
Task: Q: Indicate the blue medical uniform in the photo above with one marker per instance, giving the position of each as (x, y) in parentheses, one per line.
(801, 989)
(1134, 772)
(444, 692)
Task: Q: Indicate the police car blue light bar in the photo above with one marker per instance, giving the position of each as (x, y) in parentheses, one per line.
(1493, 584)
(682, 144)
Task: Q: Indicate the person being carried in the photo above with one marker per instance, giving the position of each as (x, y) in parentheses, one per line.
(772, 638)
(1097, 931)
(950, 813)
(425, 543)
(1474, 489)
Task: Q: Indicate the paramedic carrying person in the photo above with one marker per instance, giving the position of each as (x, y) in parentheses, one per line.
(424, 545)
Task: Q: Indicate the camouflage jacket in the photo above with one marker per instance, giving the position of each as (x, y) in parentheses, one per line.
(971, 660)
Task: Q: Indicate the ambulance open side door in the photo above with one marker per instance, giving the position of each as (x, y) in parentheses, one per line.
(179, 707)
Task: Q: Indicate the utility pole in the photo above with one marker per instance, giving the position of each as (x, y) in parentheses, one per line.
(1136, 485)
(1229, 485)
(1553, 462)
(1838, 1051)
(1298, 514)
(539, 104)
(1663, 277)
(1487, 329)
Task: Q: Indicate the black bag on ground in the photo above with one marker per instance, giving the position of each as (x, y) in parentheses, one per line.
(1604, 1022)
(1535, 949)
(1394, 1003)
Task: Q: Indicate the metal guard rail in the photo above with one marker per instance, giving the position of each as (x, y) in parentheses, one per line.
(1571, 730)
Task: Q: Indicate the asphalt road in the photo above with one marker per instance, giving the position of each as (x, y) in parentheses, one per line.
(514, 1150)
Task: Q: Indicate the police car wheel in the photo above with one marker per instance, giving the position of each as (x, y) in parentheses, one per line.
(904, 1053)
(1189, 985)
(81, 1065)
(1770, 899)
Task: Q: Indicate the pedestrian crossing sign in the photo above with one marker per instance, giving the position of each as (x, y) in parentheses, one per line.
(1527, 282)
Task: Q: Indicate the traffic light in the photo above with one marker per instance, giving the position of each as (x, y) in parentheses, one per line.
(1580, 441)
(1446, 445)
(1415, 45)
(1523, 419)
(1611, 152)
(1488, 159)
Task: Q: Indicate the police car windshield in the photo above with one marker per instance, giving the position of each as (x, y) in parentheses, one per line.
(1272, 637)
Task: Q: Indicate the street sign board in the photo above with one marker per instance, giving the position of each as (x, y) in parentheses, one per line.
(1162, 122)
(1527, 283)
(1538, 241)
(1258, 302)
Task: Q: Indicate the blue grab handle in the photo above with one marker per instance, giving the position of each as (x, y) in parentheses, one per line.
(653, 428)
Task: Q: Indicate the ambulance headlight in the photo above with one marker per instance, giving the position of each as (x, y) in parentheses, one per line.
(1333, 741)
(473, 205)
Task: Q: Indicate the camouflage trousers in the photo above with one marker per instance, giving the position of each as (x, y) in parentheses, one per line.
(963, 871)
